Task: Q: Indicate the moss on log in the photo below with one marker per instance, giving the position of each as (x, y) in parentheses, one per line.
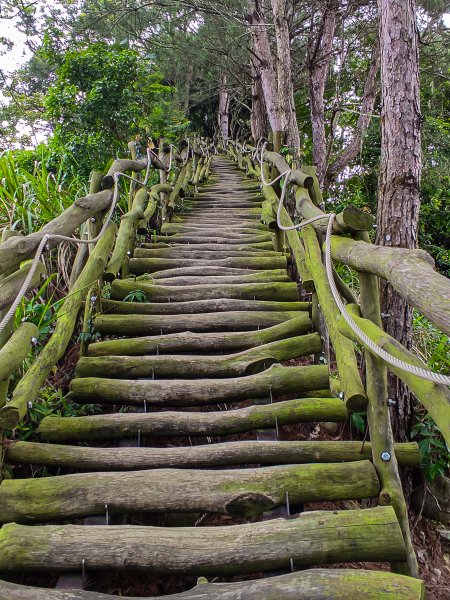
(11, 285)
(126, 234)
(214, 239)
(282, 291)
(209, 455)
(110, 426)
(269, 276)
(204, 322)
(434, 397)
(149, 265)
(247, 362)
(410, 272)
(28, 387)
(202, 342)
(17, 349)
(18, 249)
(355, 395)
(199, 306)
(364, 535)
(256, 229)
(181, 252)
(313, 584)
(236, 492)
(276, 380)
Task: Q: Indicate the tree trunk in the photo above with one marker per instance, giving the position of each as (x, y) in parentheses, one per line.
(282, 13)
(400, 170)
(351, 151)
(258, 115)
(224, 105)
(264, 63)
(320, 47)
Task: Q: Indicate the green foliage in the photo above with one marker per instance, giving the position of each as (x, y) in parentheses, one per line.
(433, 451)
(358, 420)
(51, 402)
(135, 296)
(101, 97)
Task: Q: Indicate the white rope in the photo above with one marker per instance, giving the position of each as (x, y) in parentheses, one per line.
(43, 245)
(386, 356)
(264, 182)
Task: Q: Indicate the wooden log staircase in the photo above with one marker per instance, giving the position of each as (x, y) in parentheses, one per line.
(198, 381)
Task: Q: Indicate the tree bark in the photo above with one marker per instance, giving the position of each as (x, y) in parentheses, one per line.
(313, 584)
(258, 115)
(264, 62)
(320, 46)
(371, 534)
(282, 15)
(225, 454)
(400, 170)
(224, 107)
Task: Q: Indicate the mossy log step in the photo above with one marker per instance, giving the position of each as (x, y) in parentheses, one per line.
(236, 492)
(181, 252)
(324, 536)
(268, 276)
(313, 584)
(247, 362)
(257, 228)
(199, 306)
(276, 380)
(211, 271)
(279, 291)
(216, 239)
(203, 322)
(273, 275)
(208, 455)
(180, 423)
(242, 236)
(16, 349)
(202, 342)
(260, 246)
(259, 263)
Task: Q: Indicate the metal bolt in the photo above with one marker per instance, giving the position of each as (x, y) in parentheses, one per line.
(385, 456)
(341, 395)
(128, 253)
(391, 402)
(34, 341)
(47, 246)
(375, 226)
(385, 315)
(30, 404)
(387, 237)
(93, 219)
(93, 299)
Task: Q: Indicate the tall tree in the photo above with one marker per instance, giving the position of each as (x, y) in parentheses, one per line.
(400, 169)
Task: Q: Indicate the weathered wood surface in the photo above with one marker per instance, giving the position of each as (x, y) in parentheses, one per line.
(181, 252)
(258, 246)
(347, 366)
(225, 454)
(202, 342)
(261, 277)
(17, 349)
(365, 535)
(259, 263)
(18, 249)
(184, 424)
(313, 584)
(28, 387)
(247, 362)
(435, 397)
(203, 322)
(11, 285)
(246, 291)
(216, 239)
(187, 392)
(199, 306)
(235, 492)
(410, 272)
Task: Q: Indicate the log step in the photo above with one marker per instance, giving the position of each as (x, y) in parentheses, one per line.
(224, 454)
(237, 492)
(286, 292)
(201, 342)
(243, 363)
(213, 423)
(234, 262)
(274, 381)
(313, 584)
(129, 324)
(363, 535)
(217, 240)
